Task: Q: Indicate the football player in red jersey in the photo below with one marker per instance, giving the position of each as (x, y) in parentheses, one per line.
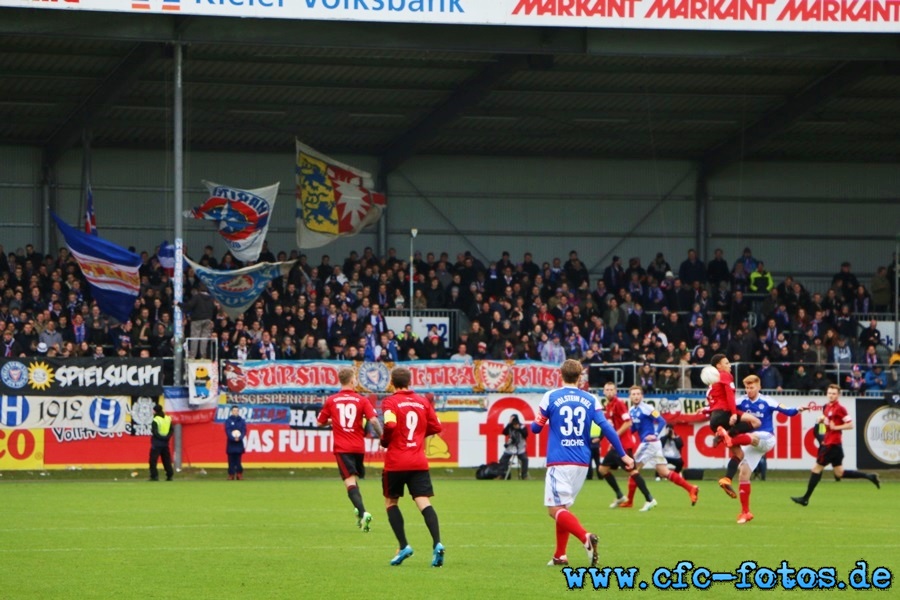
(346, 412)
(831, 452)
(408, 420)
(725, 419)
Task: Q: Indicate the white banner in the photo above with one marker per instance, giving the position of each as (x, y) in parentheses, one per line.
(845, 16)
(203, 382)
(422, 326)
(481, 433)
(84, 412)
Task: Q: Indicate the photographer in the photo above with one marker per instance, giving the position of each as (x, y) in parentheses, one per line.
(672, 445)
(516, 436)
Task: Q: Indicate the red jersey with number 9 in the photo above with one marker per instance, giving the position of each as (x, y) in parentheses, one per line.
(409, 418)
(347, 409)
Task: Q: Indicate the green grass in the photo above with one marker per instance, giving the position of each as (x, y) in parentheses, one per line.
(292, 537)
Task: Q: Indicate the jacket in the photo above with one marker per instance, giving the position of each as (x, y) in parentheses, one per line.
(235, 445)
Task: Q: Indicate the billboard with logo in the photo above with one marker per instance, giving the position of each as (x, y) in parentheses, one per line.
(737, 15)
(878, 434)
(43, 376)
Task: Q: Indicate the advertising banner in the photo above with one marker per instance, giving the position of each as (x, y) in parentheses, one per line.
(42, 376)
(43, 412)
(437, 376)
(481, 434)
(270, 442)
(877, 434)
(736, 15)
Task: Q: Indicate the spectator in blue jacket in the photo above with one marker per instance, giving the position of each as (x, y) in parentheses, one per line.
(876, 380)
(235, 431)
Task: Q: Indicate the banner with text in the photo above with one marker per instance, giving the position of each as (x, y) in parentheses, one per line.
(253, 377)
(43, 412)
(42, 376)
(845, 16)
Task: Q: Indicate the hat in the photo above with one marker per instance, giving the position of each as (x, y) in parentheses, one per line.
(555, 336)
(670, 274)
(856, 367)
(42, 348)
(482, 344)
(721, 321)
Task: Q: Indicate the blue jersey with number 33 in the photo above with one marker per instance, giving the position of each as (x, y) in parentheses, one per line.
(568, 413)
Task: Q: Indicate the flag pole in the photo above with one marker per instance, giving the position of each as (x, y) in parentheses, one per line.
(178, 283)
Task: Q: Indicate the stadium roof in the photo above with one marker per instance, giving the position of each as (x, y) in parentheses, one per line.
(398, 90)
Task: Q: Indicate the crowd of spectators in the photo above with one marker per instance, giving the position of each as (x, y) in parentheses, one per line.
(668, 319)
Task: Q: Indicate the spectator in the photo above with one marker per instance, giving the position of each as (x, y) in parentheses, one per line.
(717, 270)
(746, 263)
(842, 355)
(769, 377)
(800, 380)
(692, 269)
(854, 381)
(552, 352)
(760, 280)
(614, 276)
(647, 378)
(659, 267)
(846, 282)
(668, 380)
(820, 382)
(880, 289)
(875, 379)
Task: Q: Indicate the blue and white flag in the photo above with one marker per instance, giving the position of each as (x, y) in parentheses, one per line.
(243, 216)
(237, 290)
(166, 256)
(111, 271)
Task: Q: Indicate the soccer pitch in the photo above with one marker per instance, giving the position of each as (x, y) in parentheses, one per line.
(297, 538)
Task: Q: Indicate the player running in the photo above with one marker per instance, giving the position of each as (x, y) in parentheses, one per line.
(648, 424)
(831, 451)
(346, 412)
(761, 441)
(568, 413)
(408, 420)
(616, 412)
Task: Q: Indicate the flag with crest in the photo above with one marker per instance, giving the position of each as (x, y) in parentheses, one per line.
(333, 199)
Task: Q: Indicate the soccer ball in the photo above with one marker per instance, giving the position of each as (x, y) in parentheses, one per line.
(235, 433)
(709, 375)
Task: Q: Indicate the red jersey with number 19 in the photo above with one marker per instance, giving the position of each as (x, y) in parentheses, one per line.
(408, 420)
(347, 410)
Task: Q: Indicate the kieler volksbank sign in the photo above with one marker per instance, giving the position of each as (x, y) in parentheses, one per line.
(845, 16)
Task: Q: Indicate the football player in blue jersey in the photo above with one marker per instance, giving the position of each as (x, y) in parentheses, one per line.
(568, 413)
(762, 440)
(648, 423)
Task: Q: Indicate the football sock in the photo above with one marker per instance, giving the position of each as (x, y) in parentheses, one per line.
(814, 479)
(431, 521)
(731, 469)
(642, 485)
(677, 479)
(356, 499)
(570, 523)
(395, 518)
(562, 540)
(742, 439)
(632, 486)
(855, 475)
(611, 480)
(744, 494)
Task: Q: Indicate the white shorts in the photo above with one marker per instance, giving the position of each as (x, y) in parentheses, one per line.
(753, 454)
(562, 484)
(650, 454)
